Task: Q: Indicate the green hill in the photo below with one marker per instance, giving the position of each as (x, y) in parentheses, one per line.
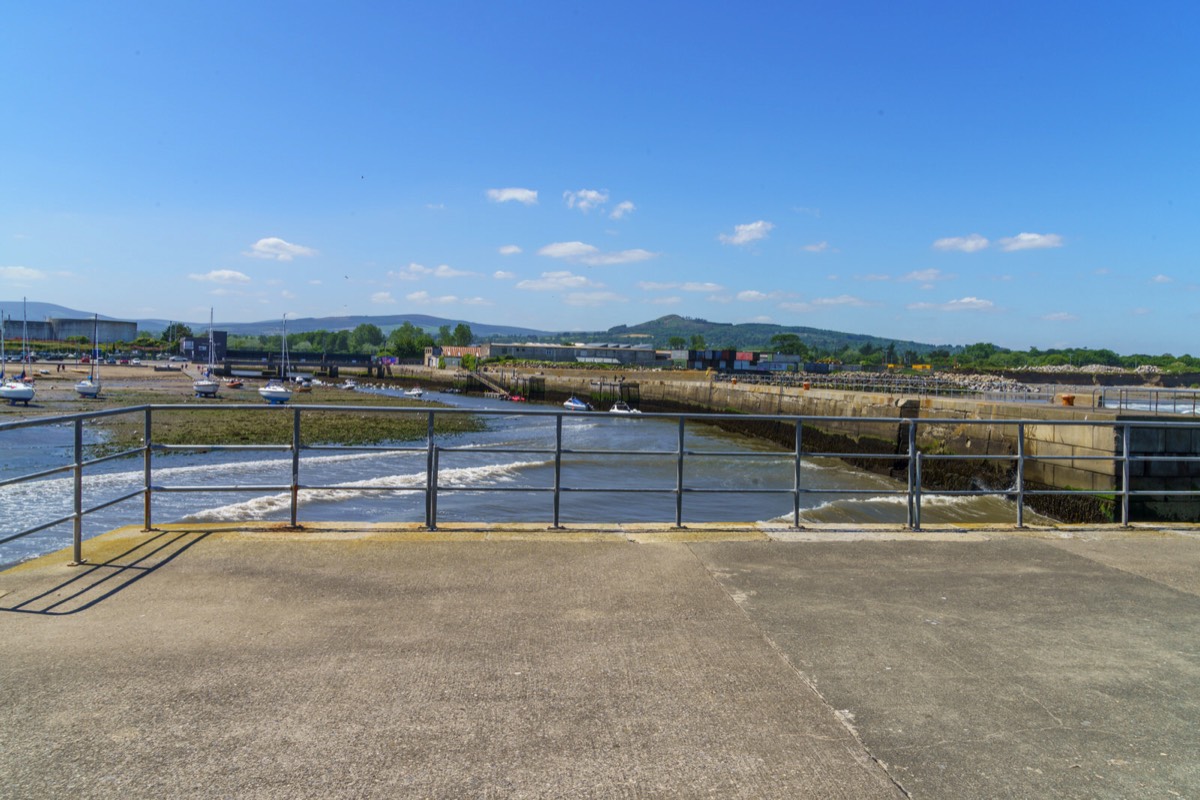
(745, 336)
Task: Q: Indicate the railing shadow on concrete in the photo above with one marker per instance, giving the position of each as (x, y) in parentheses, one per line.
(1118, 460)
(98, 582)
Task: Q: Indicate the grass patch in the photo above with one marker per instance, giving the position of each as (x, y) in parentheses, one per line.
(215, 425)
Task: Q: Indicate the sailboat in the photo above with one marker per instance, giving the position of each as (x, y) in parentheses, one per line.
(90, 386)
(275, 391)
(14, 390)
(206, 385)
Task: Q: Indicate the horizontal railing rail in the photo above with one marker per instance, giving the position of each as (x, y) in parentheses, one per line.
(435, 448)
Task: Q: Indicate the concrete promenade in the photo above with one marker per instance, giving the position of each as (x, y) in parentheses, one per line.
(364, 661)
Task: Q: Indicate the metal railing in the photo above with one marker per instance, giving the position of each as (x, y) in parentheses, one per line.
(1141, 399)
(907, 451)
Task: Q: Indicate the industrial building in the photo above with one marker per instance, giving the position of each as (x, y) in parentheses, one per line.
(59, 329)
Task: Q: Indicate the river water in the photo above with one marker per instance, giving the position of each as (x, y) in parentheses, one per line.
(473, 462)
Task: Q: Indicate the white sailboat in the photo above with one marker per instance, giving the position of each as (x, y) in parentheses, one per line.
(275, 391)
(15, 390)
(206, 385)
(90, 386)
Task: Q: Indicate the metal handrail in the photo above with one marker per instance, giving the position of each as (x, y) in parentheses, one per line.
(914, 490)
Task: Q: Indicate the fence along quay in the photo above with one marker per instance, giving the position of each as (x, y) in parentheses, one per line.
(1150, 465)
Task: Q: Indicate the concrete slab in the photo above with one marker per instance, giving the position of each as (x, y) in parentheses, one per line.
(199, 664)
(358, 660)
(997, 668)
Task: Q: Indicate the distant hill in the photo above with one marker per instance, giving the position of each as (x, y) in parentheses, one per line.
(658, 332)
(745, 336)
(40, 311)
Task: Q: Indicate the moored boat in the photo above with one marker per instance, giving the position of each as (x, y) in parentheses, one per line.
(19, 389)
(275, 392)
(90, 386)
(621, 407)
(575, 404)
(206, 385)
(416, 391)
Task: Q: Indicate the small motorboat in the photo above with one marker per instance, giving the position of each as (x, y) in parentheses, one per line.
(275, 392)
(575, 404)
(621, 407)
(416, 391)
(349, 383)
(516, 398)
(234, 383)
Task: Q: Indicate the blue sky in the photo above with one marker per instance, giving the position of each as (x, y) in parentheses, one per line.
(1018, 173)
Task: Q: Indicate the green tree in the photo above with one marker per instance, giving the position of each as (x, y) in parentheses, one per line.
(698, 341)
(444, 336)
(677, 343)
(176, 331)
(789, 344)
(462, 335)
(366, 337)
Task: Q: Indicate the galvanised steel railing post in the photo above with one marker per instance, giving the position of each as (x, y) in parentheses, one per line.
(429, 467)
(557, 467)
(796, 478)
(917, 493)
(911, 520)
(77, 531)
(433, 494)
(1126, 439)
(1020, 474)
(295, 465)
(147, 466)
(679, 477)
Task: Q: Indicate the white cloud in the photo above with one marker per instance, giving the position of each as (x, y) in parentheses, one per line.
(623, 209)
(591, 255)
(752, 296)
(221, 276)
(315, 282)
(555, 281)
(927, 276)
(382, 298)
(619, 257)
(426, 299)
(702, 287)
(750, 232)
(822, 303)
(585, 199)
(1030, 241)
(502, 275)
(594, 298)
(415, 271)
(1060, 316)
(21, 274)
(567, 250)
(963, 244)
(1161, 279)
(509, 250)
(476, 301)
(819, 247)
(652, 286)
(962, 304)
(524, 196)
(287, 294)
(277, 249)
(763, 318)
(874, 277)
